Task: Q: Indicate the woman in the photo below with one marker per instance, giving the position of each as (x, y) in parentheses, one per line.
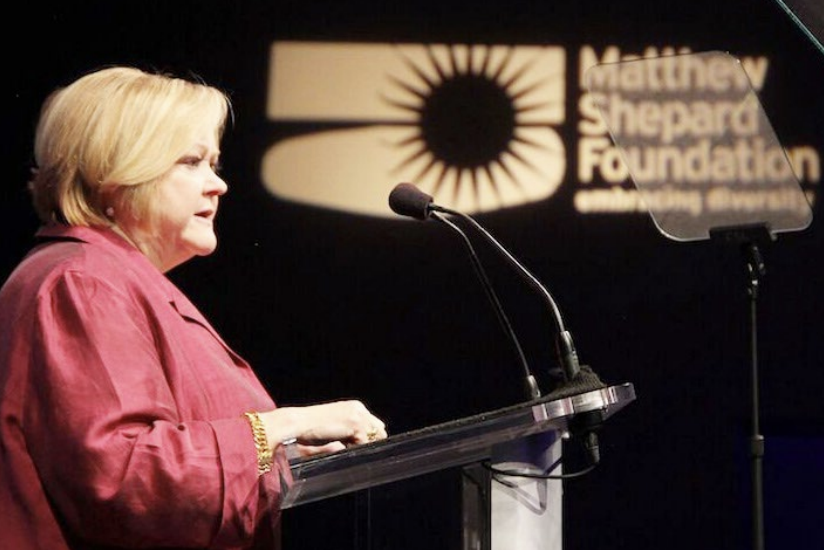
(126, 420)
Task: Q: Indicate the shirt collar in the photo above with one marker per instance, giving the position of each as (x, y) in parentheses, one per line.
(113, 242)
(104, 237)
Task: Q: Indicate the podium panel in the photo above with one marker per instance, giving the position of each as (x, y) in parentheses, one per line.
(455, 443)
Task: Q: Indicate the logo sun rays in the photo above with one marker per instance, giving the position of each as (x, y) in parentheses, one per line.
(470, 111)
(473, 125)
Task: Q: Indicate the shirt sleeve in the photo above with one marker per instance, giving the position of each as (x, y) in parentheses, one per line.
(105, 431)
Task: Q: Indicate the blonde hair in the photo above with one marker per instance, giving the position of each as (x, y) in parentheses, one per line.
(116, 130)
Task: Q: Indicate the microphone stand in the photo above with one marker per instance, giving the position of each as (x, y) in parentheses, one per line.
(532, 390)
(577, 378)
(408, 200)
(748, 238)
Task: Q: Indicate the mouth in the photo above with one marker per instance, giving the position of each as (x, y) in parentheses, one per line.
(206, 215)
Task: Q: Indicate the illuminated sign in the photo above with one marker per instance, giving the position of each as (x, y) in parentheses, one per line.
(479, 127)
(474, 126)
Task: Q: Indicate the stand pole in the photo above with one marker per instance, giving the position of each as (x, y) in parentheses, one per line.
(748, 238)
(755, 267)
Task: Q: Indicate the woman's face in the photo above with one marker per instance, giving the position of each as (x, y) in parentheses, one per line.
(180, 221)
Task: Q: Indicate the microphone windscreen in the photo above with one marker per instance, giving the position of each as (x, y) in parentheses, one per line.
(407, 200)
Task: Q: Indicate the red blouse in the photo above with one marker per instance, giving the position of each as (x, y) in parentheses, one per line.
(121, 416)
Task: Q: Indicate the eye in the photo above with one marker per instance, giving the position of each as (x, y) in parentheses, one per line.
(197, 161)
(192, 161)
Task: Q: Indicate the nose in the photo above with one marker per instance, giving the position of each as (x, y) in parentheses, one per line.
(216, 186)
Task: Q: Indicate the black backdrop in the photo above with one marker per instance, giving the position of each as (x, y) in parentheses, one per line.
(326, 304)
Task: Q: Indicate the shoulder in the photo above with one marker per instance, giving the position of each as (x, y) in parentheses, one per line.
(87, 259)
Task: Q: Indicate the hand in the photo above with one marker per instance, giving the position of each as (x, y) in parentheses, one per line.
(312, 450)
(346, 422)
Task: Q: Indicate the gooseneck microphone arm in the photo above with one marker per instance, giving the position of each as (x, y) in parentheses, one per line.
(529, 276)
(407, 200)
(566, 348)
(533, 392)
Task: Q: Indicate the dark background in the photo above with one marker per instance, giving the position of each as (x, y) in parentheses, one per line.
(327, 305)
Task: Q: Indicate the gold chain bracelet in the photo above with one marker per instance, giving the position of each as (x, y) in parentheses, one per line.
(264, 454)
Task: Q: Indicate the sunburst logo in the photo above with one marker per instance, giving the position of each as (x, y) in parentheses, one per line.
(474, 126)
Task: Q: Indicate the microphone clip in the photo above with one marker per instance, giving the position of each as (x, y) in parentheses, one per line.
(568, 356)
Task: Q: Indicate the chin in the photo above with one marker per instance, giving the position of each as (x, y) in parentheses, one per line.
(196, 241)
(203, 247)
(207, 250)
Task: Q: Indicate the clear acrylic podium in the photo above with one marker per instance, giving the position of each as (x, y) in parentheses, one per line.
(526, 435)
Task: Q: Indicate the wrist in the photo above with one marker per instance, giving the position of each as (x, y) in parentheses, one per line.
(265, 457)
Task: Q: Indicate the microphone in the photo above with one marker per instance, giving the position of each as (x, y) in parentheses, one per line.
(407, 200)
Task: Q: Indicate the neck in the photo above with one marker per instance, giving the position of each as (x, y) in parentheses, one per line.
(143, 248)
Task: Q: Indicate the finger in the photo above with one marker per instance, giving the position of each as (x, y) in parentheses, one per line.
(312, 450)
(376, 432)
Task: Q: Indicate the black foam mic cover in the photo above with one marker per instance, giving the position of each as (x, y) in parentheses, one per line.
(407, 200)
